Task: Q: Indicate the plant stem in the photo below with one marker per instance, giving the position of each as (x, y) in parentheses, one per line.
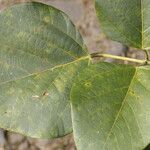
(146, 55)
(93, 55)
(125, 50)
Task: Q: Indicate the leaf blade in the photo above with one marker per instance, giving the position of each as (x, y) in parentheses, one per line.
(41, 53)
(114, 115)
(125, 21)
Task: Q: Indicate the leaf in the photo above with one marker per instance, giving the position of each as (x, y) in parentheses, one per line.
(111, 107)
(40, 54)
(126, 21)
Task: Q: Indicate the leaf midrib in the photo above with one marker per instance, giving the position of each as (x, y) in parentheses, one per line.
(142, 26)
(53, 68)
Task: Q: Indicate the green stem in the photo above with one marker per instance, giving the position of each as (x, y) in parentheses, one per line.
(93, 55)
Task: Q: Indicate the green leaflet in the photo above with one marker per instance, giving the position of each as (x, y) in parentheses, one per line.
(111, 107)
(126, 21)
(40, 54)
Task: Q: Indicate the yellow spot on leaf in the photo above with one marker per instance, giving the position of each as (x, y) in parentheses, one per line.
(47, 19)
(88, 84)
(35, 96)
